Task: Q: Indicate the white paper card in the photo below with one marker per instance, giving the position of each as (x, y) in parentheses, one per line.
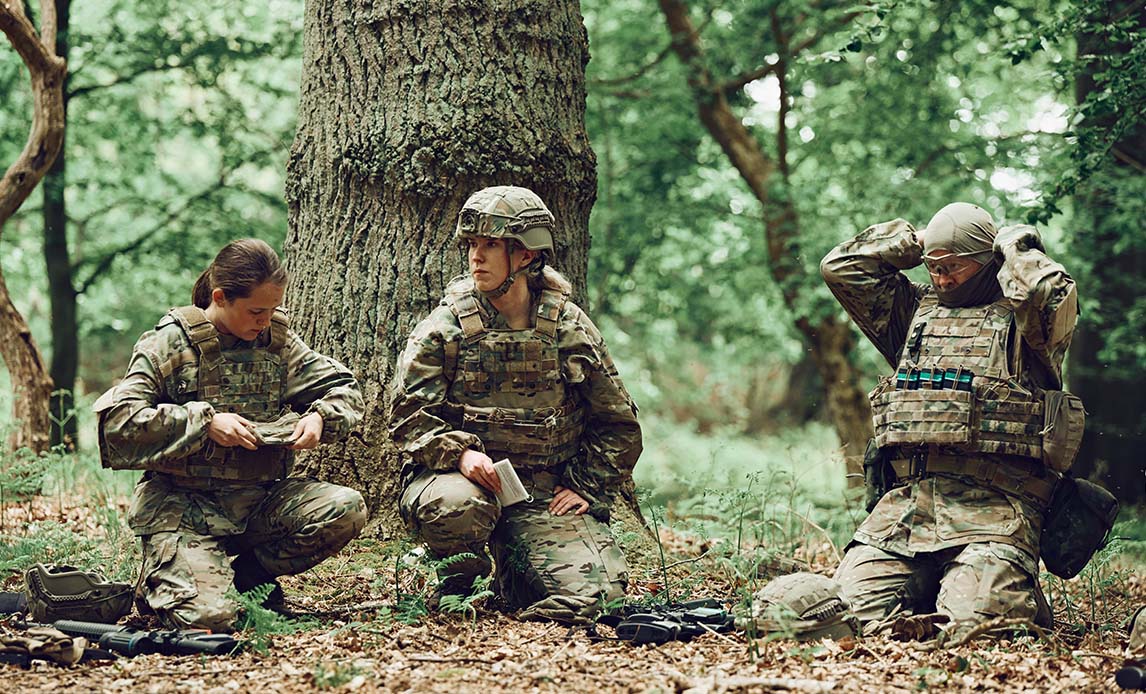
(512, 491)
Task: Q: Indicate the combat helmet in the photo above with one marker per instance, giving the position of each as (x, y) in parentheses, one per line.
(65, 592)
(511, 213)
(804, 606)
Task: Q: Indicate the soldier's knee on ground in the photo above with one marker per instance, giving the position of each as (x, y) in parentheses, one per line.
(216, 615)
(990, 579)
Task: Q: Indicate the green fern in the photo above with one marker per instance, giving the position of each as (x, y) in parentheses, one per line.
(258, 624)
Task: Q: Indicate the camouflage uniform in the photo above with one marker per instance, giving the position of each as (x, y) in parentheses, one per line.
(448, 395)
(196, 502)
(961, 539)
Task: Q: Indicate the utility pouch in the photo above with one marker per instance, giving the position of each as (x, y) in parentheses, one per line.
(1064, 420)
(922, 416)
(878, 476)
(1077, 523)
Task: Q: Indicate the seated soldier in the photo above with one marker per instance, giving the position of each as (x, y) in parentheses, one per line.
(508, 367)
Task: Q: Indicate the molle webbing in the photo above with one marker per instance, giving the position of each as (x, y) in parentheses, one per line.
(530, 438)
(250, 383)
(466, 308)
(1016, 479)
(999, 416)
(974, 338)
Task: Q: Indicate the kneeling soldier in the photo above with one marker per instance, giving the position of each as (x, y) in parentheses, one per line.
(508, 367)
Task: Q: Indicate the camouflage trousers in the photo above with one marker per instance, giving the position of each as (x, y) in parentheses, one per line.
(291, 525)
(555, 567)
(969, 584)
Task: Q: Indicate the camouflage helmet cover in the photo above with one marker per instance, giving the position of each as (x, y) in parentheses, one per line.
(803, 605)
(64, 592)
(507, 212)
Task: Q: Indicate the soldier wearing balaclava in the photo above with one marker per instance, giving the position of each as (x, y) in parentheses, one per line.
(960, 473)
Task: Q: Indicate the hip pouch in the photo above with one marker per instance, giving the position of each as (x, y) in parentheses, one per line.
(1063, 425)
(1076, 526)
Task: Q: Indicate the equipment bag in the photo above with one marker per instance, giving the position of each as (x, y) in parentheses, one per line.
(1077, 523)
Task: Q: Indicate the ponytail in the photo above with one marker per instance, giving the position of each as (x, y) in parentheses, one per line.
(201, 294)
(238, 269)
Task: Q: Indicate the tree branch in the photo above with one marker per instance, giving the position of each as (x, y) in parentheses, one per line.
(47, 133)
(124, 79)
(108, 258)
(641, 71)
(49, 23)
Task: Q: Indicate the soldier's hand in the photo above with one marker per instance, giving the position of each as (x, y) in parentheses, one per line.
(229, 430)
(477, 467)
(565, 500)
(308, 432)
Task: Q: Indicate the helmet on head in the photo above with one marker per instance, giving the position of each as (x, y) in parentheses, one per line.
(804, 606)
(507, 212)
(511, 213)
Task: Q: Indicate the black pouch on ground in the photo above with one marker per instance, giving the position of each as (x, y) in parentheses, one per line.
(1077, 522)
(676, 621)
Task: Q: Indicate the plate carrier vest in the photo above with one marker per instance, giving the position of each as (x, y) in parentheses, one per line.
(1003, 411)
(506, 385)
(246, 382)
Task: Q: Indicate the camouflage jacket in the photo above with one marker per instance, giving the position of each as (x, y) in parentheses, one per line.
(144, 423)
(610, 444)
(865, 275)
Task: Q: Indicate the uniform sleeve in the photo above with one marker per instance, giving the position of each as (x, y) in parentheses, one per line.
(317, 383)
(611, 443)
(1044, 295)
(865, 276)
(138, 430)
(418, 398)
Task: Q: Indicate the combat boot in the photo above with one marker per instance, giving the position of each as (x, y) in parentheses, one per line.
(249, 573)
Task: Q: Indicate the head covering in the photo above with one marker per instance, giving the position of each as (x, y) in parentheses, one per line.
(968, 231)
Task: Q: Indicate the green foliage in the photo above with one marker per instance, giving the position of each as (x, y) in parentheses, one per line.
(179, 120)
(258, 624)
(466, 605)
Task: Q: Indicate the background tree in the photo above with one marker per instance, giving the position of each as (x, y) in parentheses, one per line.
(406, 109)
(46, 71)
(179, 118)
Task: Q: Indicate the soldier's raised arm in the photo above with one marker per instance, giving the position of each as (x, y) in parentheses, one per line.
(864, 274)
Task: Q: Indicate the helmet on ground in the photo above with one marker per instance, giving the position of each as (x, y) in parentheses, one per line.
(507, 212)
(65, 592)
(804, 606)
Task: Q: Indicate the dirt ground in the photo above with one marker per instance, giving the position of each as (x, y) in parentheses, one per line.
(354, 647)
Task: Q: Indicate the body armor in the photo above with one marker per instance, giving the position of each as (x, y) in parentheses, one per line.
(961, 384)
(248, 382)
(506, 385)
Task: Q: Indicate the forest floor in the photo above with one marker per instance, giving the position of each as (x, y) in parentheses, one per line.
(356, 640)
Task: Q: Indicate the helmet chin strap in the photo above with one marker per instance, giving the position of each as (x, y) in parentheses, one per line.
(534, 265)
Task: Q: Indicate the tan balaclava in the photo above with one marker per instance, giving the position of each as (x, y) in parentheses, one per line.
(968, 231)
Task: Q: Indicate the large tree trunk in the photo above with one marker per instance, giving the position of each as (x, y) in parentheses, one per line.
(406, 109)
(61, 288)
(829, 340)
(1109, 285)
(31, 384)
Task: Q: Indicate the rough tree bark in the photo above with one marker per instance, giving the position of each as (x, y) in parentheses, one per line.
(829, 339)
(31, 384)
(406, 108)
(1114, 393)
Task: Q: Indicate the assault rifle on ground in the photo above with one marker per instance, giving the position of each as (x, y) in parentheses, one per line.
(131, 642)
(678, 621)
(109, 640)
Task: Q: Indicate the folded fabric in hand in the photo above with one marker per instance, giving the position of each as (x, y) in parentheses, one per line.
(279, 432)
